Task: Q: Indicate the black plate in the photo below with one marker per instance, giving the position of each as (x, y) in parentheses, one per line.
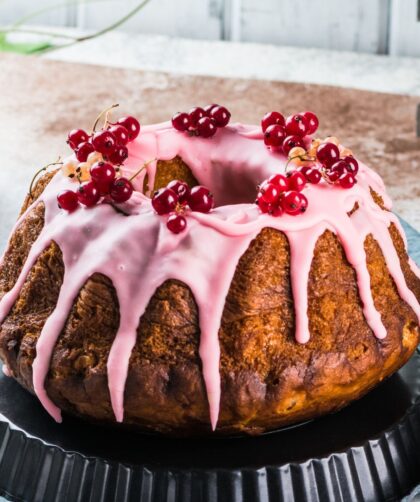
(368, 451)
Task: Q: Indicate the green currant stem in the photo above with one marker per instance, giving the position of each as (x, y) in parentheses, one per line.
(106, 112)
(300, 157)
(31, 186)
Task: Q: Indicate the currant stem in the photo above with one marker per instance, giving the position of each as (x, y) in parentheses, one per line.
(31, 186)
(141, 169)
(106, 113)
(300, 157)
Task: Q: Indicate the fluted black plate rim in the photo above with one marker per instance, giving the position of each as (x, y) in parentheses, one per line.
(385, 467)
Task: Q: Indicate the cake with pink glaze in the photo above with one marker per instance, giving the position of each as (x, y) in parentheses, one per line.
(202, 276)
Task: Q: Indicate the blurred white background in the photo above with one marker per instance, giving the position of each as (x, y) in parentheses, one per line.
(367, 26)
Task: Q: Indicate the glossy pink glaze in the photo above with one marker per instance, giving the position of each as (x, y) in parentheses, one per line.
(138, 253)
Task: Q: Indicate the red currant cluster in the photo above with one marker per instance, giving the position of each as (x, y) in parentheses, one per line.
(100, 178)
(110, 142)
(336, 170)
(286, 133)
(176, 197)
(104, 184)
(202, 122)
(282, 194)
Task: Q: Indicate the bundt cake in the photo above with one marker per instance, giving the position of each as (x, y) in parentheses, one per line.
(197, 276)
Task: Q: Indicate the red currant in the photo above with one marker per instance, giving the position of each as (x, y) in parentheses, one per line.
(272, 118)
(104, 142)
(68, 200)
(312, 121)
(279, 180)
(264, 207)
(274, 136)
(88, 194)
(176, 223)
(132, 125)
(209, 108)
(84, 150)
(201, 199)
(328, 154)
(311, 174)
(195, 114)
(181, 121)
(276, 210)
(121, 134)
(220, 115)
(297, 125)
(294, 202)
(297, 181)
(336, 170)
(75, 137)
(290, 142)
(164, 201)
(119, 155)
(347, 180)
(121, 190)
(181, 189)
(103, 174)
(206, 127)
(352, 164)
(270, 193)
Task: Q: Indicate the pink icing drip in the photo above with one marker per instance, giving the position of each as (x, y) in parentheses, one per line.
(138, 253)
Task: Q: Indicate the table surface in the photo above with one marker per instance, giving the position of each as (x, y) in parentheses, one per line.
(41, 100)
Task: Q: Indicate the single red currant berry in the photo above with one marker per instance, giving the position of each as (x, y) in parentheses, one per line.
(201, 199)
(164, 201)
(209, 108)
(297, 125)
(270, 193)
(290, 142)
(104, 142)
(280, 180)
(103, 174)
(276, 210)
(119, 155)
(195, 114)
(75, 137)
(121, 134)
(347, 180)
(220, 115)
(84, 150)
(206, 127)
(181, 189)
(312, 121)
(181, 121)
(88, 194)
(311, 174)
(121, 190)
(327, 154)
(264, 207)
(352, 164)
(68, 200)
(297, 181)
(336, 170)
(132, 125)
(274, 136)
(294, 202)
(272, 118)
(176, 223)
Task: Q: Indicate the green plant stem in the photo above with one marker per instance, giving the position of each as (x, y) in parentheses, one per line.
(75, 39)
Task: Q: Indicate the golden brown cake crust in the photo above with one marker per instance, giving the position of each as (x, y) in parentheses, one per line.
(268, 379)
